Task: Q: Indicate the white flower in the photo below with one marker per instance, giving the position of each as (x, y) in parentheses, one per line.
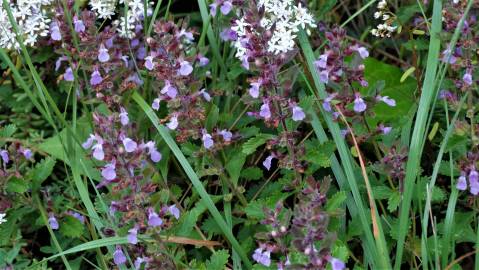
(2, 218)
(104, 9)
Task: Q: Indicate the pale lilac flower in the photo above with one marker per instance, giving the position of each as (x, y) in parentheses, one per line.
(254, 89)
(124, 58)
(156, 104)
(132, 236)
(447, 54)
(78, 216)
(153, 219)
(467, 78)
(96, 78)
(337, 264)
(68, 75)
(149, 64)
(324, 76)
(267, 162)
(173, 210)
(228, 34)
(226, 7)
(384, 130)
(363, 52)
(118, 256)
(103, 55)
(79, 25)
(245, 62)
(55, 31)
(59, 61)
(474, 182)
(88, 143)
(227, 135)
(298, 114)
(130, 145)
(108, 172)
(53, 222)
(139, 261)
(213, 8)
(98, 152)
(155, 155)
(205, 95)
(27, 153)
(359, 104)
(207, 140)
(204, 61)
(264, 111)
(261, 257)
(344, 132)
(124, 117)
(322, 62)
(327, 102)
(188, 35)
(169, 90)
(461, 183)
(4, 156)
(173, 124)
(185, 68)
(386, 99)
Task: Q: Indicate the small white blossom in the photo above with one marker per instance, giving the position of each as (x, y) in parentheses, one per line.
(2, 218)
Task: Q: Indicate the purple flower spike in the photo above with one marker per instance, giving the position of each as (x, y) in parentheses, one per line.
(227, 135)
(169, 90)
(254, 89)
(337, 264)
(103, 55)
(108, 172)
(389, 101)
(68, 75)
(173, 124)
(132, 235)
(156, 104)
(118, 256)
(264, 111)
(124, 120)
(53, 222)
(363, 52)
(185, 68)
(267, 162)
(322, 62)
(153, 219)
(55, 31)
(461, 183)
(359, 104)
(204, 61)
(467, 78)
(98, 152)
(226, 7)
(149, 64)
(173, 210)
(261, 257)
(79, 25)
(96, 78)
(324, 76)
(207, 140)
(4, 156)
(298, 114)
(130, 145)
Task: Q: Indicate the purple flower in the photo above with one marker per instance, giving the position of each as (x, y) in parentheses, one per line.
(327, 102)
(213, 8)
(389, 101)
(77, 216)
(27, 153)
(55, 31)
(226, 7)
(467, 78)
(141, 53)
(4, 156)
(228, 34)
(344, 132)
(98, 152)
(254, 89)
(264, 111)
(132, 235)
(447, 54)
(156, 104)
(68, 75)
(205, 95)
(261, 257)
(79, 25)
(204, 61)
(298, 114)
(337, 264)
(149, 64)
(267, 162)
(118, 256)
(363, 52)
(359, 104)
(87, 144)
(103, 55)
(226, 135)
(185, 68)
(153, 219)
(96, 78)
(59, 61)
(322, 62)
(108, 172)
(324, 76)
(169, 90)
(154, 154)
(130, 145)
(461, 183)
(384, 130)
(188, 35)
(53, 222)
(124, 117)
(173, 210)
(207, 140)
(245, 62)
(474, 182)
(173, 124)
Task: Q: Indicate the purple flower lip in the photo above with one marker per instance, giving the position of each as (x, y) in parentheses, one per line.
(153, 219)
(4, 156)
(96, 78)
(118, 256)
(254, 89)
(68, 75)
(265, 111)
(53, 222)
(108, 172)
(298, 113)
(267, 162)
(359, 104)
(103, 55)
(207, 140)
(185, 68)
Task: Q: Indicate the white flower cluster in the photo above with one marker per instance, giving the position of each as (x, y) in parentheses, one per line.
(2, 218)
(31, 19)
(384, 29)
(287, 19)
(103, 9)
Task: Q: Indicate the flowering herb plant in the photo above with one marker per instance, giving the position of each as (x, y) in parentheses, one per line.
(232, 134)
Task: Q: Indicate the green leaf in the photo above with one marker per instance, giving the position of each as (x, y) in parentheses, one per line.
(17, 185)
(252, 173)
(71, 227)
(250, 146)
(218, 260)
(335, 201)
(42, 170)
(394, 201)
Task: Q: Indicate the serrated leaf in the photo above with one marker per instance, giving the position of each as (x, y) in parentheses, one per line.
(252, 173)
(381, 192)
(218, 260)
(394, 201)
(335, 201)
(71, 227)
(17, 185)
(42, 170)
(250, 146)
